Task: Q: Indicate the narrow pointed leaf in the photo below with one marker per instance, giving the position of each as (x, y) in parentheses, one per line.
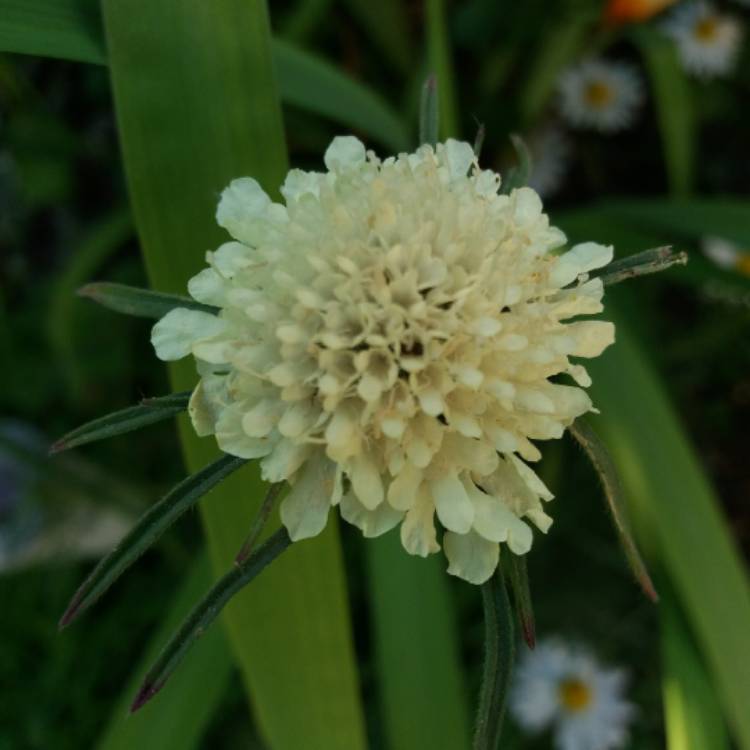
(149, 528)
(420, 677)
(429, 117)
(142, 303)
(601, 461)
(518, 176)
(440, 60)
(518, 576)
(499, 655)
(126, 420)
(261, 519)
(205, 612)
(181, 715)
(642, 264)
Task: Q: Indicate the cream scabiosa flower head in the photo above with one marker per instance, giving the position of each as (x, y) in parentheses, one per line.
(385, 343)
(566, 689)
(600, 95)
(708, 41)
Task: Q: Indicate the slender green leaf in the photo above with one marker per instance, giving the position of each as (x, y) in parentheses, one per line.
(151, 525)
(440, 60)
(205, 612)
(317, 86)
(420, 681)
(518, 576)
(641, 264)
(142, 303)
(177, 719)
(675, 510)
(387, 26)
(123, 421)
(692, 714)
(429, 116)
(499, 654)
(207, 111)
(517, 177)
(72, 29)
(674, 108)
(601, 461)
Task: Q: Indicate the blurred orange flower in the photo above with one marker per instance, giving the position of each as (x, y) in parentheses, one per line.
(628, 11)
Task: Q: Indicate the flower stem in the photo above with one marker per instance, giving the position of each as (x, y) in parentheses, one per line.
(259, 523)
(499, 651)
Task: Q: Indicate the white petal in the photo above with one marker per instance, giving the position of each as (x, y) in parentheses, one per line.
(493, 520)
(452, 504)
(304, 511)
(232, 438)
(402, 493)
(470, 556)
(345, 151)
(531, 480)
(372, 522)
(579, 259)
(299, 183)
(174, 335)
(230, 258)
(285, 459)
(592, 337)
(366, 481)
(206, 404)
(418, 534)
(208, 287)
(240, 206)
(459, 156)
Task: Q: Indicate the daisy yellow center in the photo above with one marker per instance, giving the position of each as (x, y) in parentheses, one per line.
(706, 29)
(575, 695)
(598, 94)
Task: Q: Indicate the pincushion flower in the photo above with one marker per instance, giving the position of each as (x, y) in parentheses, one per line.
(565, 688)
(600, 95)
(385, 343)
(708, 41)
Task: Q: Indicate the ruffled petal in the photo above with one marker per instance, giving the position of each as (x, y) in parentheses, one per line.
(418, 533)
(371, 522)
(174, 335)
(304, 511)
(470, 556)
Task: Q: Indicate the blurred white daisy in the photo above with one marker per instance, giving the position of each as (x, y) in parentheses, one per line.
(708, 41)
(385, 343)
(727, 255)
(600, 95)
(565, 689)
(550, 156)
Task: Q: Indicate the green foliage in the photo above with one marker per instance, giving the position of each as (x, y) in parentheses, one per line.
(440, 62)
(177, 719)
(142, 303)
(207, 113)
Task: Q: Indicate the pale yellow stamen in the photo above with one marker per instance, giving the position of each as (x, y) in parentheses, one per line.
(575, 695)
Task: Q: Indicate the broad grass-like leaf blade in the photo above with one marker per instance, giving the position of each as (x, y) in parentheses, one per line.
(692, 714)
(177, 720)
(207, 113)
(152, 524)
(142, 303)
(674, 108)
(124, 421)
(205, 612)
(423, 696)
(678, 516)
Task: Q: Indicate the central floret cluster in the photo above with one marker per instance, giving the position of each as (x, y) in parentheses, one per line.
(385, 343)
